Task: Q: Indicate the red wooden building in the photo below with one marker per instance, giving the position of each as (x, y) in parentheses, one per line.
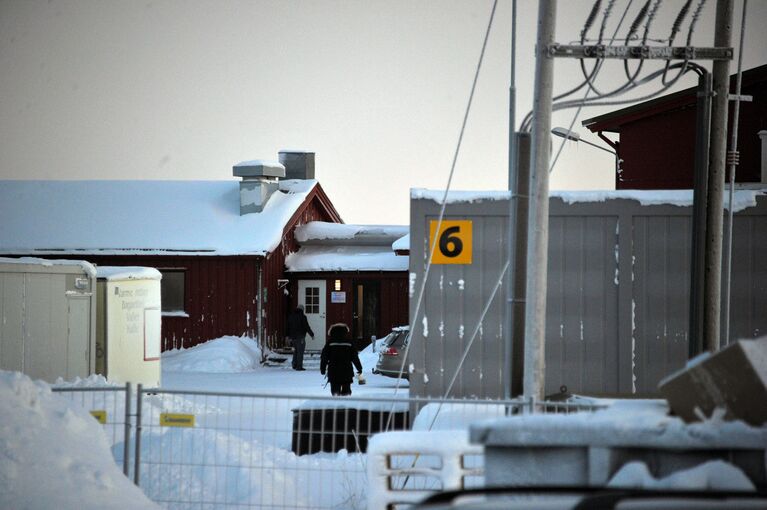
(657, 138)
(349, 274)
(220, 245)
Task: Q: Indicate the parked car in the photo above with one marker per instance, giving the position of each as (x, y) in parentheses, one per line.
(391, 353)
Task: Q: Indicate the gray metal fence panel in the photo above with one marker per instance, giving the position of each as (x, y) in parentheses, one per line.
(287, 451)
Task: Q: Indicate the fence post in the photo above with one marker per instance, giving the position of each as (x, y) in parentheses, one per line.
(126, 441)
(137, 454)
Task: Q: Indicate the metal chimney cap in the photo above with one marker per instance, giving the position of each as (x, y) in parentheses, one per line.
(259, 168)
(294, 151)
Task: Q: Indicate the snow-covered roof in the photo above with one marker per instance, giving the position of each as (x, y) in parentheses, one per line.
(361, 234)
(141, 217)
(86, 267)
(401, 244)
(115, 273)
(345, 258)
(683, 198)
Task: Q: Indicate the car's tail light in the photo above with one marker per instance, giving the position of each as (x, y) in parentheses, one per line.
(390, 351)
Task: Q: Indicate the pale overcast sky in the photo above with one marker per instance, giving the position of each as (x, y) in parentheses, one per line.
(108, 89)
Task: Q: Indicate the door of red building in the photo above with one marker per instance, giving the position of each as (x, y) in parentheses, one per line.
(367, 313)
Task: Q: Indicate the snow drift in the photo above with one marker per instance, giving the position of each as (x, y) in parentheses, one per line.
(229, 354)
(53, 455)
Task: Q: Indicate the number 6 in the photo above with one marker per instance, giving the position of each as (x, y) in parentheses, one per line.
(447, 239)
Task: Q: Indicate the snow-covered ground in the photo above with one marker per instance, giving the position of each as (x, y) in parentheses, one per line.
(55, 455)
(232, 364)
(240, 450)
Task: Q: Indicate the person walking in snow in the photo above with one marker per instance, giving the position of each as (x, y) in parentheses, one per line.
(297, 328)
(337, 359)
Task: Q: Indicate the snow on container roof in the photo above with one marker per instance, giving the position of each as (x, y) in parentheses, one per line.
(142, 217)
(345, 258)
(115, 273)
(87, 267)
(373, 234)
(639, 423)
(401, 244)
(742, 199)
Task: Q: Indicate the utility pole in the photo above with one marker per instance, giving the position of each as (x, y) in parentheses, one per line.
(538, 225)
(717, 155)
(516, 277)
(696, 343)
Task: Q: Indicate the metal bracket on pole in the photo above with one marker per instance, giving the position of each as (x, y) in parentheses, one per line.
(640, 52)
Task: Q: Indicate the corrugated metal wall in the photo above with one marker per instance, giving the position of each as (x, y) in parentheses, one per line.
(618, 296)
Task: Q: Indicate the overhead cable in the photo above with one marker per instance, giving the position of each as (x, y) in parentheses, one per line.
(443, 203)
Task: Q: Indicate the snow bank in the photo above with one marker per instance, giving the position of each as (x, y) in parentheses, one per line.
(345, 258)
(624, 423)
(229, 354)
(142, 217)
(56, 456)
(320, 230)
(128, 273)
(87, 267)
(455, 197)
(92, 381)
(714, 475)
(401, 244)
(742, 199)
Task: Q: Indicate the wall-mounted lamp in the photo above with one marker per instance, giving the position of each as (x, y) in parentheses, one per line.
(282, 283)
(337, 285)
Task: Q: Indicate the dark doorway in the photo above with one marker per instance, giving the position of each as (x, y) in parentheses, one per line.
(366, 311)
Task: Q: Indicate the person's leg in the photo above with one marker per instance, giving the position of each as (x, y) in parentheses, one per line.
(300, 353)
(335, 389)
(294, 362)
(346, 389)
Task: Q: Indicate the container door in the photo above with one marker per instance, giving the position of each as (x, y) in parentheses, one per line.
(311, 294)
(78, 319)
(12, 321)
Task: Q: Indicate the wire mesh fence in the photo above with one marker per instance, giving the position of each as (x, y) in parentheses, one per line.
(201, 450)
(111, 406)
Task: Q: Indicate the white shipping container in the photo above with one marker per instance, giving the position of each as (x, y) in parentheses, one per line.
(47, 317)
(128, 325)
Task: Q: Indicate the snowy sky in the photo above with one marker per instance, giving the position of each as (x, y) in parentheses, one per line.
(186, 89)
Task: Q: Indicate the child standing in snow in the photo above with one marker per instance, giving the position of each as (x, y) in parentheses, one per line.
(337, 358)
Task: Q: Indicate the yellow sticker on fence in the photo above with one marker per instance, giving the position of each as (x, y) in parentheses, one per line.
(176, 420)
(101, 416)
(453, 241)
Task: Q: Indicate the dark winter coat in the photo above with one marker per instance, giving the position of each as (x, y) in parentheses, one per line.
(337, 358)
(298, 326)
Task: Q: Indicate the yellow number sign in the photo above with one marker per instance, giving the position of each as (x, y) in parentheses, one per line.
(452, 244)
(176, 420)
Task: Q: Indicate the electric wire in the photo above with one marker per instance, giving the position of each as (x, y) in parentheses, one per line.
(588, 91)
(419, 300)
(733, 166)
